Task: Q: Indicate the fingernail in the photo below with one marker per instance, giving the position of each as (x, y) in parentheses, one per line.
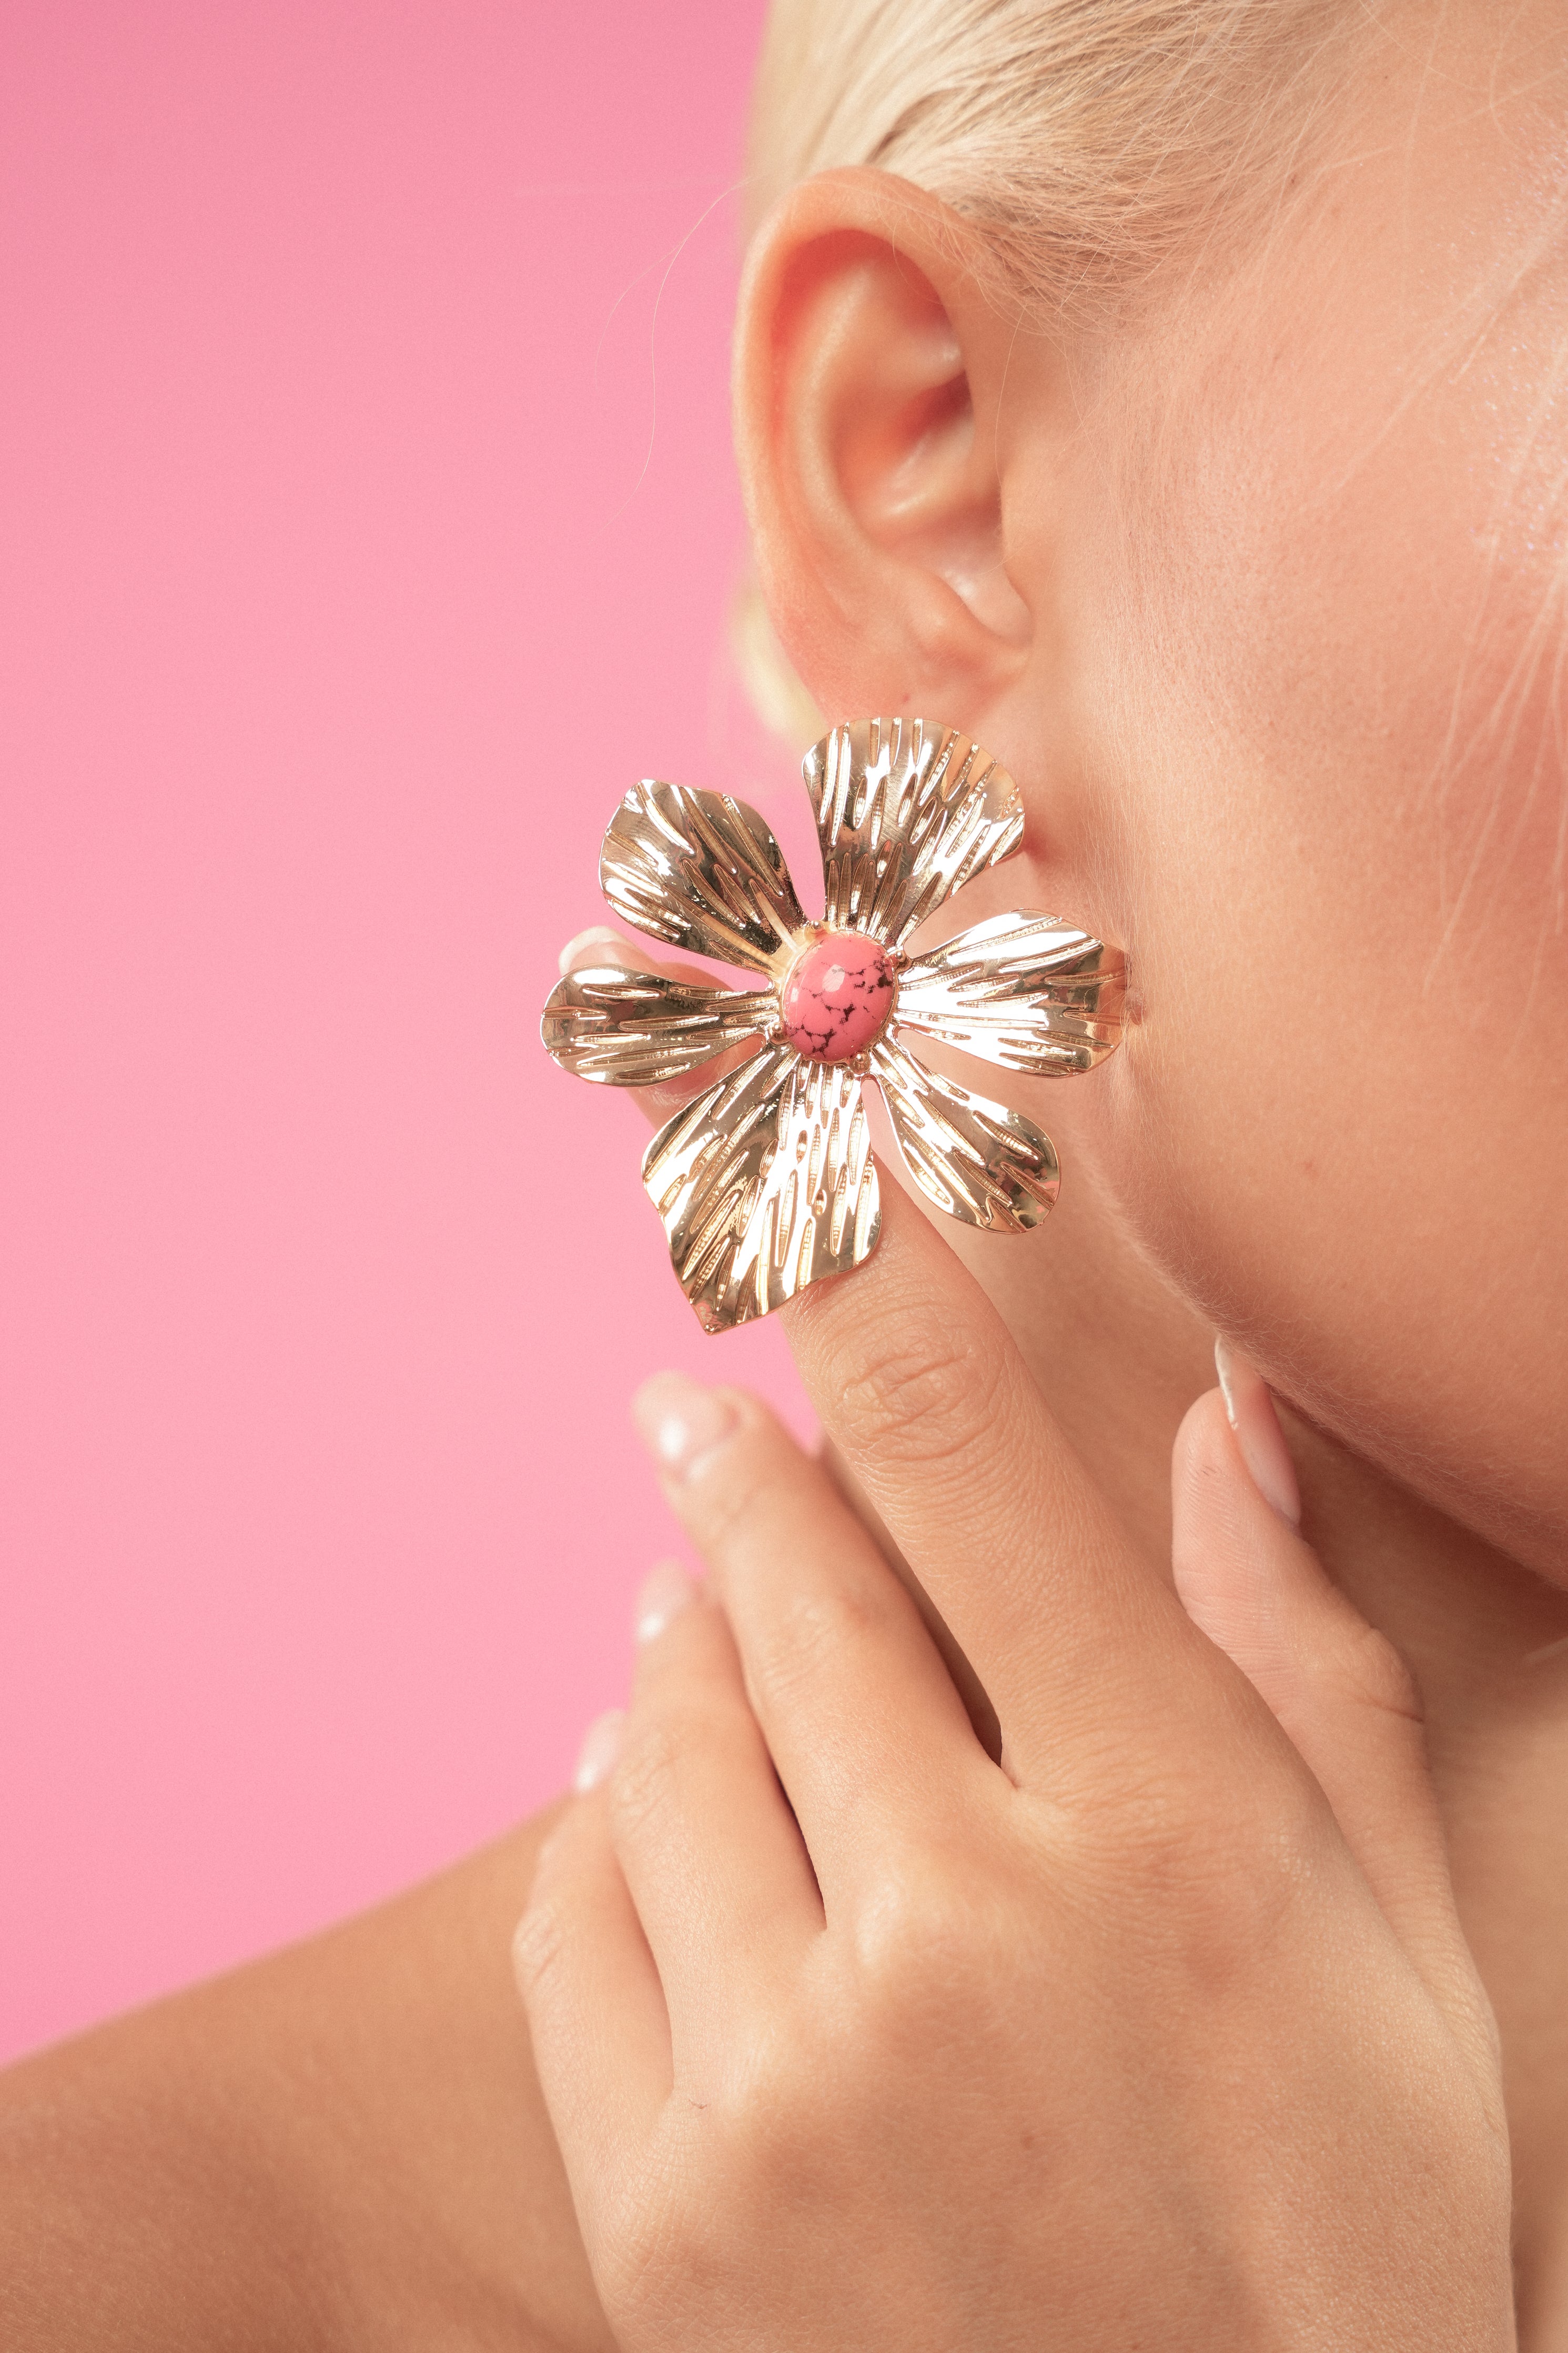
(599, 1751)
(597, 944)
(1250, 1407)
(666, 1591)
(680, 1422)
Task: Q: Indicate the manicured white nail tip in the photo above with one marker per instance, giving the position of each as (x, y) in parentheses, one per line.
(666, 1593)
(597, 936)
(674, 1439)
(1255, 1418)
(599, 1751)
(1223, 1367)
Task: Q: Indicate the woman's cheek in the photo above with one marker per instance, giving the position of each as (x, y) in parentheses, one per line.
(1330, 1153)
(1332, 794)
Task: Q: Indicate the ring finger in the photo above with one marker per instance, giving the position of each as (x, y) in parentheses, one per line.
(710, 1851)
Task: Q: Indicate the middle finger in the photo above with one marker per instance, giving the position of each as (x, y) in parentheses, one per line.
(711, 1853)
(861, 1718)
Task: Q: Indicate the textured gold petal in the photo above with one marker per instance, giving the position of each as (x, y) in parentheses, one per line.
(765, 1184)
(1022, 990)
(975, 1159)
(633, 1028)
(702, 872)
(907, 812)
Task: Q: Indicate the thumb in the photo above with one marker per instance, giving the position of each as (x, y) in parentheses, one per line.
(1339, 1690)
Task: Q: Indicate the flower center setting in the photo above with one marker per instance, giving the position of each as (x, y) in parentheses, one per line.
(837, 997)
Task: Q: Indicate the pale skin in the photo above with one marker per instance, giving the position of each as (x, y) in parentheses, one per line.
(1236, 588)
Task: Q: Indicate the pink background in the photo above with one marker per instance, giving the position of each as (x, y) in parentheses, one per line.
(366, 534)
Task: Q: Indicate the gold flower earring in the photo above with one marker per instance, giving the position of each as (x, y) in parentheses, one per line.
(765, 1182)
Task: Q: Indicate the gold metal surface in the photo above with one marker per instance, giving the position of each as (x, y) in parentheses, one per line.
(765, 1184)
(1024, 991)
(703, 873)
(633, 1028)
(765, 1181)
(977, 1160)
(907, 813)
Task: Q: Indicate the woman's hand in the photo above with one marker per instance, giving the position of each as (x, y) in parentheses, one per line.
(1162, 2033)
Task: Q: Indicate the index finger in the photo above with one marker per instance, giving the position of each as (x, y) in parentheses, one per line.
(920, 1385)
(918, 1382)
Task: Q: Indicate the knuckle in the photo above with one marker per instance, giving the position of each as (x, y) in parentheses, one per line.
(658, 1748)
(538, 1944)
(926, 1944)
(807, 1636)
(918, 1389)
(1369, 1671)
(639, 1790)
(732, 1497)
(772, 2113)
(1276, 1840)
(797, 2112)
(1210, 1873)
(725, 1500)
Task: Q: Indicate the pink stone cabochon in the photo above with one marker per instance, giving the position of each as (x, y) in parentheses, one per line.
(366, 536)
(837, 997)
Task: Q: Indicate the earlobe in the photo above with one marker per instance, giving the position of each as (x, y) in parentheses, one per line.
(867, 453)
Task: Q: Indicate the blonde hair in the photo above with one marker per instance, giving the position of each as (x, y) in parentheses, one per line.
(1092, 141)
(1088, 138)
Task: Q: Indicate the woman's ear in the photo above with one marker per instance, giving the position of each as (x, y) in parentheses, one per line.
(870, 365)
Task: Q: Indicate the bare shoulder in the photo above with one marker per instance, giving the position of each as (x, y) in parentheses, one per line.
(341, 2146)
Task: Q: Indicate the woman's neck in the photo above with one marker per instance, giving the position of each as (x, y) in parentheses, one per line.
(1488, 1644)
(1119, 1357)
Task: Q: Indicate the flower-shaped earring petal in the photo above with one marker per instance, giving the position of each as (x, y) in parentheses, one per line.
(765, 1182)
